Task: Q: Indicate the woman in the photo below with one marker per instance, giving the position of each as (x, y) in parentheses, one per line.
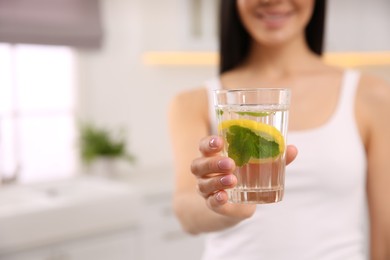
(335, 204)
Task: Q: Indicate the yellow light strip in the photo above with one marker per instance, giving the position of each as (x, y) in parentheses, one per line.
(343, 59)
(180, 58)
(354, 59)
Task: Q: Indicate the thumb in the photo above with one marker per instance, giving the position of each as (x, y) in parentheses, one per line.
(291, 153)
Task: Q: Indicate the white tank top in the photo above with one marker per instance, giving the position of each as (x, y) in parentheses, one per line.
(323, 214)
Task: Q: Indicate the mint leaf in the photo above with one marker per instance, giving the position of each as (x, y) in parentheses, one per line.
(255, 114)
(245, 144)
(266, 148)
(219, 112)
(242, 144)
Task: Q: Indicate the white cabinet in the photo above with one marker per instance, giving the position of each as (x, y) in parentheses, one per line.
(83, 218)
(95, 219)
(115, 246)
(161, 234)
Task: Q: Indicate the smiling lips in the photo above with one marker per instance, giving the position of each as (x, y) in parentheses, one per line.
(274, 20)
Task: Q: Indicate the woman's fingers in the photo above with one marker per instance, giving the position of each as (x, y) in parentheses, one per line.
(210, 145)
(218, 203)
(207, 165)
(218, 199)
(291, 153)
(209, 186)
(214, 172)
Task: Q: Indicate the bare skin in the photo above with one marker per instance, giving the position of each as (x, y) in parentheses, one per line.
(200, 201)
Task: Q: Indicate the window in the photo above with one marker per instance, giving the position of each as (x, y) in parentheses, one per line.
(37, 120)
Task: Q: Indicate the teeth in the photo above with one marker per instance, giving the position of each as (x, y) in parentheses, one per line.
(273, 17)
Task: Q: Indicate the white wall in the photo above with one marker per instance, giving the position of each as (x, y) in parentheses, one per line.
(358, 25)
(116, 89)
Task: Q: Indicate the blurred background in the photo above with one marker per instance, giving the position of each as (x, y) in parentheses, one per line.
(85, 158)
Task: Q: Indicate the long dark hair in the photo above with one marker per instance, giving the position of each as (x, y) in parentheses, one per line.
(234, 40)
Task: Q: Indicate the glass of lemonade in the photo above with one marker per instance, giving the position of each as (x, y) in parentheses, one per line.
(253, 123)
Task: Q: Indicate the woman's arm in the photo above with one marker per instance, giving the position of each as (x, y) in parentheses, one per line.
(188, 120)
(202, 175)
(375, 96)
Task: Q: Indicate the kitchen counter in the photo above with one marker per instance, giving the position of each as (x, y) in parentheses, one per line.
(93, 218)
(39, 214)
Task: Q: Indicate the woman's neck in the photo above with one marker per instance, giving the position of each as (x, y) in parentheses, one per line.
(280, 61)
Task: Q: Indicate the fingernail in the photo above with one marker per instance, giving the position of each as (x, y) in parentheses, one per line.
(218, 196)
(225, 164)
(214, 142)
(226, 180)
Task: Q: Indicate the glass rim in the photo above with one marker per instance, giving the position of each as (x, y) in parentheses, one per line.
(224, 91)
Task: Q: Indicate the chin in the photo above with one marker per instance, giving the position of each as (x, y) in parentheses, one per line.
(274, 39)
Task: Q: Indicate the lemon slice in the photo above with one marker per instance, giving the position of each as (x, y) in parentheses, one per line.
(251, 141)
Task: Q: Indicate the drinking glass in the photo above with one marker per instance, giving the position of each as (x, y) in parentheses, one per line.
(253, 124)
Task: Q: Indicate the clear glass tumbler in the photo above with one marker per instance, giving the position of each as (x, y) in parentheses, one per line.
(253, 123)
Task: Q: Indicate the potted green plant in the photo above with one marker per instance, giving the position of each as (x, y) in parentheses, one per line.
(101, 149)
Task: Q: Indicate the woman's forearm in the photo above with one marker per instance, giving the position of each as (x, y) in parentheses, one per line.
(195, 217)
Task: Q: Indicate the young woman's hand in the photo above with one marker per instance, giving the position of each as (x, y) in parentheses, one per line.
(214, 174)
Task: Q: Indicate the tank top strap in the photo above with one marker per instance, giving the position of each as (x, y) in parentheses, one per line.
(346, 104)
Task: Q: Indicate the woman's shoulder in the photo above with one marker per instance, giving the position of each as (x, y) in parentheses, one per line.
(373, 90)
(373, 103)
(368, 79)
(190, 102)
(190, 96)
